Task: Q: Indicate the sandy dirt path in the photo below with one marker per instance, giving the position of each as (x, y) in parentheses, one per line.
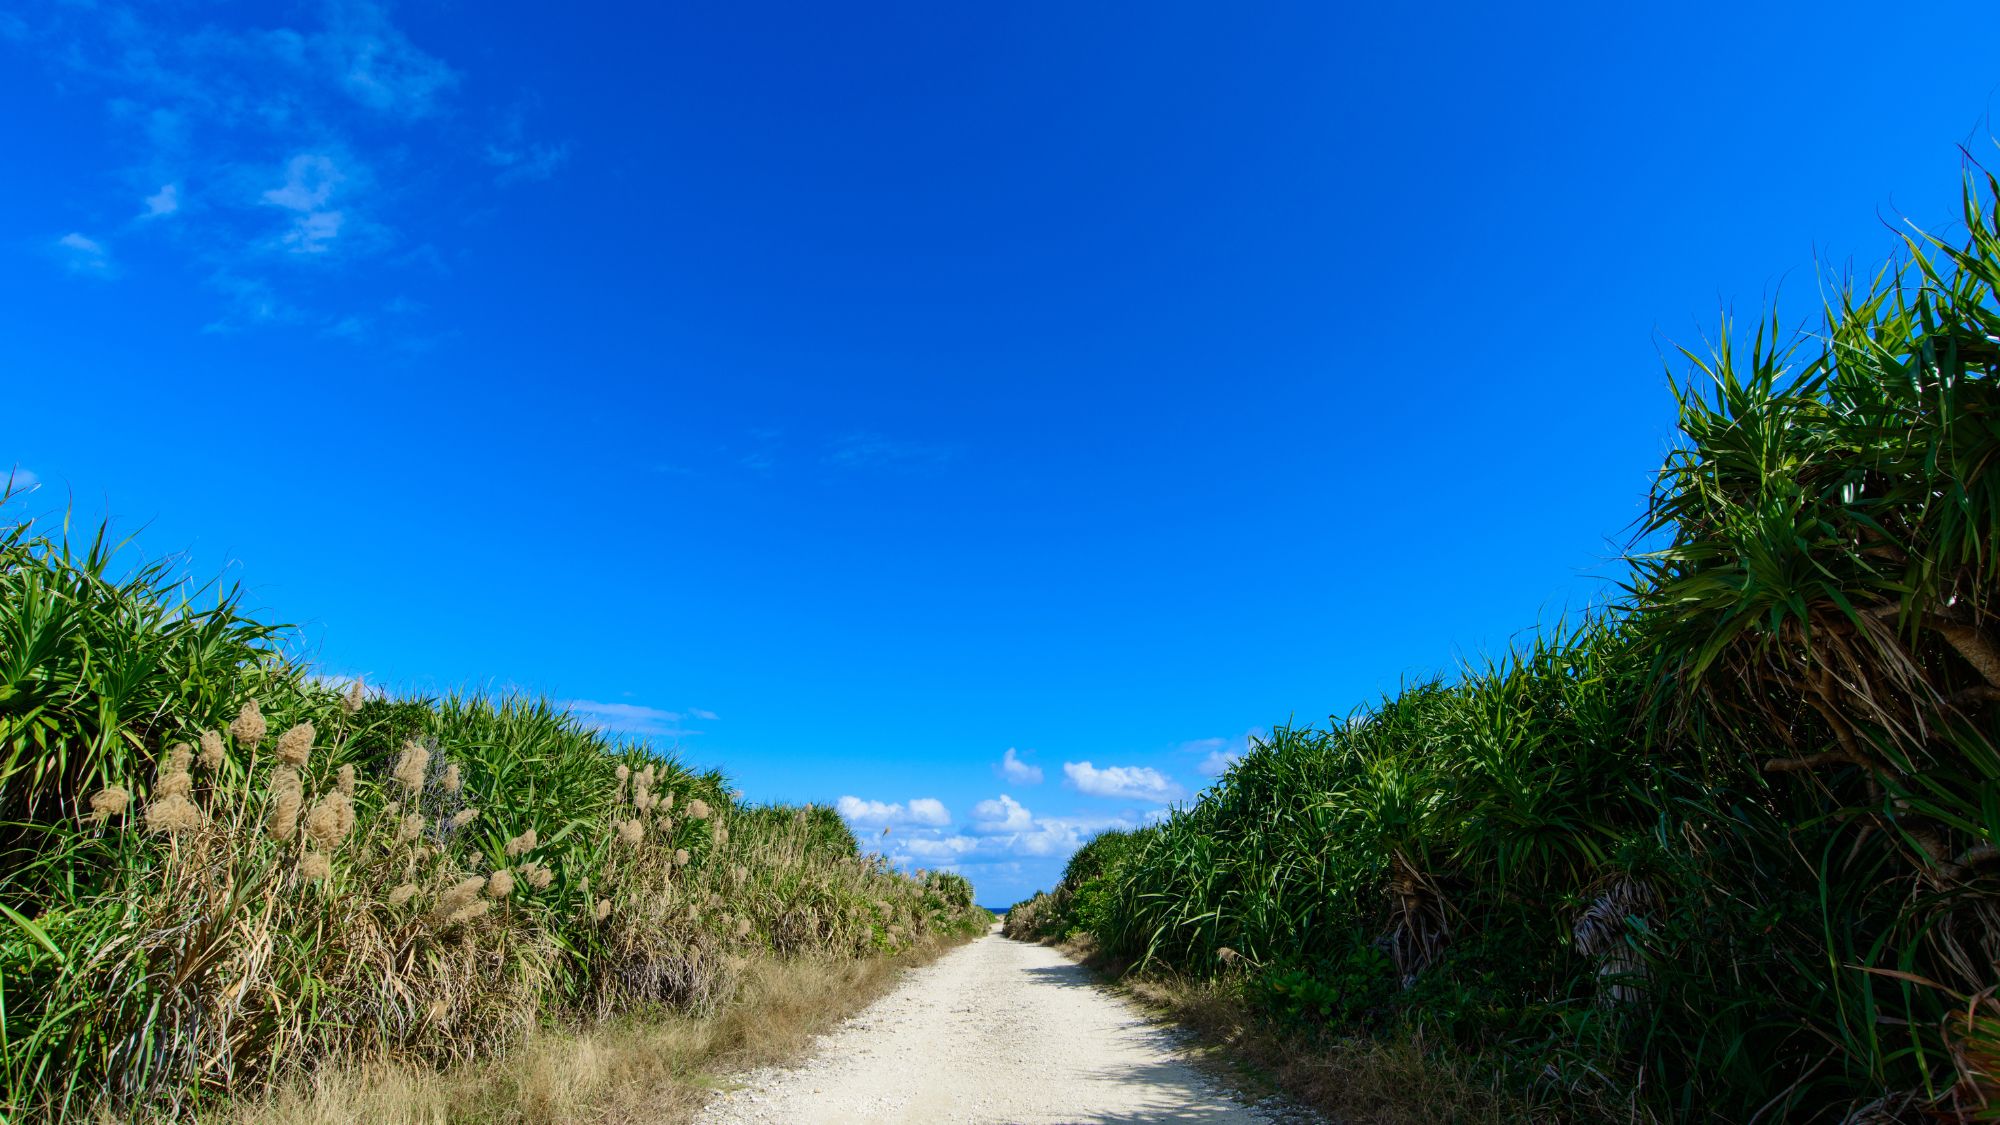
(995, 1031)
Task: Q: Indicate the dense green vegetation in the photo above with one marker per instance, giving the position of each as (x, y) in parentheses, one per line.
(217, 871)
(1724, 850)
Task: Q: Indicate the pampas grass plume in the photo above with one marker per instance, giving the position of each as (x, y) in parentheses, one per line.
(249, 727)
(680, 857)
(180, 758)
(108, 802)
(295, 745)
(698, 809)
(412, 766)
(522, 844)
(631, 832)
(330, 820)
(463, 817)
(314, 865)
(500, 884)
(172, 814)
(402, 894)
(211, 749)
(343, 781)
(449, 780)
(603, 909)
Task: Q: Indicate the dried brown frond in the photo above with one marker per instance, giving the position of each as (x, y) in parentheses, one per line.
(402, 894)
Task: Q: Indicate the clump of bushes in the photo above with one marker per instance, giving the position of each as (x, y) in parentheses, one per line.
(1728, 849)
(216, 871)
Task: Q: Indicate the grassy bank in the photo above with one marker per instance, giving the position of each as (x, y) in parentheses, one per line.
(219, 875)
(1728, 849)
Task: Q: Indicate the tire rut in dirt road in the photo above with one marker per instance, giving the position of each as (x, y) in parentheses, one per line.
(997, 1031)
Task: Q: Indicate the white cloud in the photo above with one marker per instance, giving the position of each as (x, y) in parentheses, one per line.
(520, 161)
(926, 811)
(625, 718)
(704, 715)
(83, 256)
(1017, 771)
(1002, 814)
(165, 201)
(1138, 783)
(18, 479)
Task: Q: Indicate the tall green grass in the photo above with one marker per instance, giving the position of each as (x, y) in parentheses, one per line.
(428, 880)
(1729, 849)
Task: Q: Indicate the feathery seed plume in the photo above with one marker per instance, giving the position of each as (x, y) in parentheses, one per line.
(458, 898)
(411, 827)
(211, 749)
(330, 819)
(603, 909)
(411, 767)
(177, 784)
(108, 802)
(284, 819)
(402, 894)
(538, 877)
(315, 865)
(296, 744)
(698, 809)
(500, 884)
(738, 874)
(743, 927)
(357, 694)
(422, 854)
(667, 799)
(463, 817)
(721, 835)
(180, 758)
(680, 857)
(343, 781)
(522, 844)
(449, 780)
(666, 825)
(623, 771)
(249, 727)
(172, 814)
(631, 832)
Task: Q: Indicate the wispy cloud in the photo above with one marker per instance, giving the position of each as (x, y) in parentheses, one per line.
(18, 479)
(703, 714)
(1013, 769)
(377, 65)
(165, 201)
(1218, 754)
(83, 256)
(861, 449)
(626, 718)
(1136, 783)
(927, 811)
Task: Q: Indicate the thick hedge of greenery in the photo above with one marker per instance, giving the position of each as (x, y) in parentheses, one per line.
(1728, 849)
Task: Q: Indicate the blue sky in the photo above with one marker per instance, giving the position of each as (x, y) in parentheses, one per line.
(983, 418)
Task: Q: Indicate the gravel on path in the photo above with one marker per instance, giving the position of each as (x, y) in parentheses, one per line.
(996, 1031)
